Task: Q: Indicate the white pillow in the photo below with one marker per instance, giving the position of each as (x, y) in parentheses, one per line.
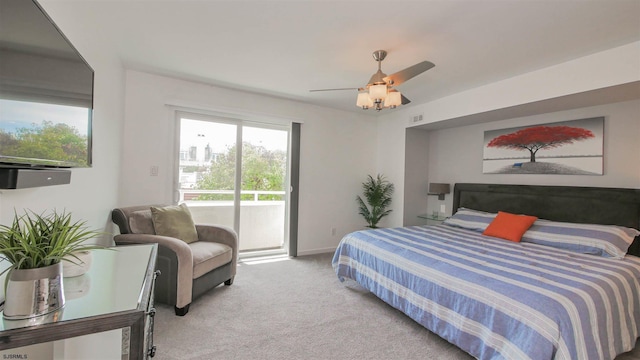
(470, 219)
(602, 240)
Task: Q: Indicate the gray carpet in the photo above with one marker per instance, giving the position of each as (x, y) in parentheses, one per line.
(296, 309)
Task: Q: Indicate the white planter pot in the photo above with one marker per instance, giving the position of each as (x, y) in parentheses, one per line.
(34, 292)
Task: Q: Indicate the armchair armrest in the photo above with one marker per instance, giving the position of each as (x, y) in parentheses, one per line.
(183, 254)
(223, 235)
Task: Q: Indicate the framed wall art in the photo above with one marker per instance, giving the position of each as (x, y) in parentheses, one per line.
(569, 148)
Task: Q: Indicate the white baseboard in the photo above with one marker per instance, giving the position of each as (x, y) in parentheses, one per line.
(317, 251)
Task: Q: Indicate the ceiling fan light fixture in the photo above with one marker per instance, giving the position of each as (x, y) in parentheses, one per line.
(364, 101)
(378, 92)
(393, 99)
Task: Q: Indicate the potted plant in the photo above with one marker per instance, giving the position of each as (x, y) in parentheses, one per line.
(36, 245)
(378, 194)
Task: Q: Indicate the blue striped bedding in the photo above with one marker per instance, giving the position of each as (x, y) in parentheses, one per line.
(498, 299)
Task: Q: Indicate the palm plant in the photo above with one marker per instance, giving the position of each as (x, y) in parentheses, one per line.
(378, 194)
(35, 241)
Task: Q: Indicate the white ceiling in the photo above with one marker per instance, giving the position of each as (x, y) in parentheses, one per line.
(286, 48)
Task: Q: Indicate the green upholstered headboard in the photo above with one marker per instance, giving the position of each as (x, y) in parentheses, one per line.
(593, 205)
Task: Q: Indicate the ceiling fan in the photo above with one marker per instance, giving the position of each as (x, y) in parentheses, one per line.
(379, 93)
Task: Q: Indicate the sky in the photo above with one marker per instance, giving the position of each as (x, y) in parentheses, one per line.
(219, 135)
(20, 114)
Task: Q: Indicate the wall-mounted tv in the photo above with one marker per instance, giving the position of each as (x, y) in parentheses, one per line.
(46, 92)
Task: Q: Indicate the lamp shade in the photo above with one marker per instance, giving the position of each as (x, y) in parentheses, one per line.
(378, 92)
(394, 98)
(364, 101)
(439, 188)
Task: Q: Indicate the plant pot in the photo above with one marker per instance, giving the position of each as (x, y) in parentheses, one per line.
(49, 318)
(34, 292)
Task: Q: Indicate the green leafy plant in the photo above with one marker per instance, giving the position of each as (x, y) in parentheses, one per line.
(378, 194)
(35, 240)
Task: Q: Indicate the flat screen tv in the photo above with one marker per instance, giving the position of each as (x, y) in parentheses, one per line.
(46, 92)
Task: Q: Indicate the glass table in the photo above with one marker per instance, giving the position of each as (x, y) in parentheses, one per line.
(116, 293)
(432, 219)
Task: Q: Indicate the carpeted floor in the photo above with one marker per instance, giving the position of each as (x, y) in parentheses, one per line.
(296, 309)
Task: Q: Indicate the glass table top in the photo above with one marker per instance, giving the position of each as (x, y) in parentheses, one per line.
(113, 283)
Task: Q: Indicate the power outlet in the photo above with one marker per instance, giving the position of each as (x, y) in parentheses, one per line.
(333, 231)
(153, 171)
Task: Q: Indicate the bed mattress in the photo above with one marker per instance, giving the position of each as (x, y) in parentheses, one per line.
(498, 299)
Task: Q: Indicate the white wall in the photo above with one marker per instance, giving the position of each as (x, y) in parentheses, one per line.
(415, 175)
(455, 155)
(611, 67)
(390, 155)
(93, 191)
(336, 150)
(619, 66)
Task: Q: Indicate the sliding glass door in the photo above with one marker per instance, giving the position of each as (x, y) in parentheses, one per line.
(242, 187)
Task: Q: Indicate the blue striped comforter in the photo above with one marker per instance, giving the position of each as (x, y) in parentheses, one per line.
(497, 299)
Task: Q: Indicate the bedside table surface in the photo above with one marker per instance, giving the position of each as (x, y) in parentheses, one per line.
(431, 217)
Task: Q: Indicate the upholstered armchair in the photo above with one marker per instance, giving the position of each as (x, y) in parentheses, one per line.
(189, 266)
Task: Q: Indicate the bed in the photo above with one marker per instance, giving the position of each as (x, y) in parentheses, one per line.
(567, 290)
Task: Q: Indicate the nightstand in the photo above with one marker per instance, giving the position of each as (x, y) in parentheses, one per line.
(432, 220)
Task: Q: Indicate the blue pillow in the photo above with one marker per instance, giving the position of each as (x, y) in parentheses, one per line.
(602, 240)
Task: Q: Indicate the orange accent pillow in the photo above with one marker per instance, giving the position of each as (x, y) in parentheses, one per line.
(509, 226)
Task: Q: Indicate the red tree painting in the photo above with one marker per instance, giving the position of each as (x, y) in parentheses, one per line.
(540, 137)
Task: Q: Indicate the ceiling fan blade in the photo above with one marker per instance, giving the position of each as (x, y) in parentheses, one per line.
(334, 89)
(405, 101)
(406, 74)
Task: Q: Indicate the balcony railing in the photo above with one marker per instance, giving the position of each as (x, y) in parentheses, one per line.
(262, 222)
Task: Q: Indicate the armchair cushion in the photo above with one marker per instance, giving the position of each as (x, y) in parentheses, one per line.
(208, 256)
(174, 221)
(141, 222)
